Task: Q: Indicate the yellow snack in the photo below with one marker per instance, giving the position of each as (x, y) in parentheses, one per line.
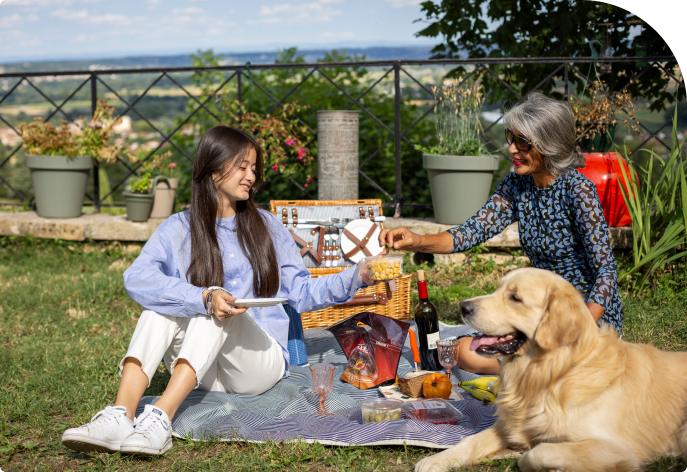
(385, 269)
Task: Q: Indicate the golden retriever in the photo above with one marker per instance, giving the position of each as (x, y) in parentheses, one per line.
(574, 396)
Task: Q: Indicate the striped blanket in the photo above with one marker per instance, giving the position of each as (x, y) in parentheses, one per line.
(285, 413)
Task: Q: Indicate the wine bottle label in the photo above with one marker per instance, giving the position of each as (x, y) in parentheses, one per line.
(432, 340)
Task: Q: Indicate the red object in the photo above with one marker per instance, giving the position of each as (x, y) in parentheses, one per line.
(437, 386)
(604, 170)
(413, 346)
(422, 289)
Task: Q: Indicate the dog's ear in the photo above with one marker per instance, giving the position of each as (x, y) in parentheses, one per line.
(563, 320)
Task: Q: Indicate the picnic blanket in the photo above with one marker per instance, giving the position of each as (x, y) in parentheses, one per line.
(286, 412)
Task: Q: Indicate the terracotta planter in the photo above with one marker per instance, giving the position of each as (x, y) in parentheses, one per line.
(604, 170)
(163, 204)
(59, 184)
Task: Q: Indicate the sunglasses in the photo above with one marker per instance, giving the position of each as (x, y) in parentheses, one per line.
(520, 141)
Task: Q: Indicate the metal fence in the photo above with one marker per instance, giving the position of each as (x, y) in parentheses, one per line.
(241, 75)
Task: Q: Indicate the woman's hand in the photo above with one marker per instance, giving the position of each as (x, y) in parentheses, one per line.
(596, 310)
(399, 238)
(221, 305)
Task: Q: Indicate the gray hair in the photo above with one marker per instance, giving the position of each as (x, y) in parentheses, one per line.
(550, 126)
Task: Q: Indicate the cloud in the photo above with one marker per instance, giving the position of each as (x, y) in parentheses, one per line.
(65, 14)
(337, 35)
(15, 20)
(314, 12)
(403, 3)
(188, 11)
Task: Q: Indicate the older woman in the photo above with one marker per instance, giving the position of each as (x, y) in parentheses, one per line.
(560, 220)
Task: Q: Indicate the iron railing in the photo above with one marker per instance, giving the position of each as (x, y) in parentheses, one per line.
(241, 73)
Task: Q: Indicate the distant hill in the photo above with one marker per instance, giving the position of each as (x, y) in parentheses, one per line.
(371, 54)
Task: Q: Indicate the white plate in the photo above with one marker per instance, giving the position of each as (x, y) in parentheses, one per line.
(257, 302)
(359, 229)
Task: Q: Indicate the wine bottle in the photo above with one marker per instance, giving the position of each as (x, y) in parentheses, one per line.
(427, 327)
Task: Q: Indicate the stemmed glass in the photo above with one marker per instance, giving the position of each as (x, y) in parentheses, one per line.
(322, 382)
(448, 354)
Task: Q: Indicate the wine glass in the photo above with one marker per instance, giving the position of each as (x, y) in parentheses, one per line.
(322, 382)
(448, 354)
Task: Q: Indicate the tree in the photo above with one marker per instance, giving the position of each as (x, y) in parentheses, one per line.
(547, 28)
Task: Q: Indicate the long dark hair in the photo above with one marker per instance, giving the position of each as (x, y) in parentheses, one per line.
(219, 146)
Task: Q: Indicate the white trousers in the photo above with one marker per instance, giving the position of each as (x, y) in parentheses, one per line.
(232, 356)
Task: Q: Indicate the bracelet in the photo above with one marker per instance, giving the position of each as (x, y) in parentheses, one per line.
(208, 299)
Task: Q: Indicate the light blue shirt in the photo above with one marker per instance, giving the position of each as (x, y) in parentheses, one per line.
(157, 278)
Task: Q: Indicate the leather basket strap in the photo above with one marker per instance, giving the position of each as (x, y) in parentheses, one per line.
(371, 299)
(308, 247)
(360, 245)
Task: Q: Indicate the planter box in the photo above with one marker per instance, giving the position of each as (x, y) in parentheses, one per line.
(460, 185)
(59, 184)
(163, 204)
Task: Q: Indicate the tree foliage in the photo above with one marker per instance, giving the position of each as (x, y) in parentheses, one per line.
(547, 28)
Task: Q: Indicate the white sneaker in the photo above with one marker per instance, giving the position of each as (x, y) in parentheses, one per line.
(104, 433)
(152, 434)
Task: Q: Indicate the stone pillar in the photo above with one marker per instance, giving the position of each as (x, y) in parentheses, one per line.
(337, 155)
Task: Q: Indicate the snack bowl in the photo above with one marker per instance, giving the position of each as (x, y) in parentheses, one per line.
(375, 410)
(385, 267)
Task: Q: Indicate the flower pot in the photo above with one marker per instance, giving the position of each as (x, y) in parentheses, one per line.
(460, 185)
(604, 170)
(601, 142)
(138, 205)
(163, 204)
(59, 184)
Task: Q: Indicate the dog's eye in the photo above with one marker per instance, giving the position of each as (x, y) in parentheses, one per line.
(515, 298)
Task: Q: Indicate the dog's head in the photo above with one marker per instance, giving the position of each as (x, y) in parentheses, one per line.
(529, 306)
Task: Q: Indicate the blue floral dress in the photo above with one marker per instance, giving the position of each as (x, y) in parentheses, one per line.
(562, 229)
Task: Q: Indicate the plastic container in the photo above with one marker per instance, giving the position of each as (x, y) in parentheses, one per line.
(385, 267)
(432, 410)
(376, 410)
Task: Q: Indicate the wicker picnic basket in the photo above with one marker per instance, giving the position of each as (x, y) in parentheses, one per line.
(397, 303)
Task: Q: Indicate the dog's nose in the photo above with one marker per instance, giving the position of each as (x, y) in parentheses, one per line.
(467, 309)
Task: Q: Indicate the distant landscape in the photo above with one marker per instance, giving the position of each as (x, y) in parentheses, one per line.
(370, 54)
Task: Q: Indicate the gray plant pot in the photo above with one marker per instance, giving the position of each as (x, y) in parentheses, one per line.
(138, 205)
(460, 185)
(59, 184)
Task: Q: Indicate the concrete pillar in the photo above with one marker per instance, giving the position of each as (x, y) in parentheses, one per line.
(337, 154)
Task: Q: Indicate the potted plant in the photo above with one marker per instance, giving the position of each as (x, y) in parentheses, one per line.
(60, 159)
(595, 129)
(460, 168)
(140, 194)
(165, 190)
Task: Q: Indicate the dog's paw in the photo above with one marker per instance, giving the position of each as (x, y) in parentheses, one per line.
(442, 462)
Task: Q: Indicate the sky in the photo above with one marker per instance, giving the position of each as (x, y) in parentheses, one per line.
(84, 29)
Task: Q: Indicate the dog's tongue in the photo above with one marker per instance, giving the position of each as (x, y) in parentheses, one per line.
(482, 340)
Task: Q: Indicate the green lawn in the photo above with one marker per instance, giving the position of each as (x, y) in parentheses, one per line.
(65, 322)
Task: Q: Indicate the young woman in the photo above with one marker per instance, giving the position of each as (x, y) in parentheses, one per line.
(188, 274)
(560, 219)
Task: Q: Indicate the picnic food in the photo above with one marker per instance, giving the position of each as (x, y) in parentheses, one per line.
(432, 410)
(385, 267)
(490, 384)
(487, 397)
(372, 354)
(437, 386)
(376, 410)
(411, 383)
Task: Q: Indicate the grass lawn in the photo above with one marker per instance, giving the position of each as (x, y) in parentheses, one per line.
(65, 322)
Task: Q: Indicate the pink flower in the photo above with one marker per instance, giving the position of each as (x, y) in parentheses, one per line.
(275, 167)
(301, 153)
(172, 165)
(290, 142)
(306, 185)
